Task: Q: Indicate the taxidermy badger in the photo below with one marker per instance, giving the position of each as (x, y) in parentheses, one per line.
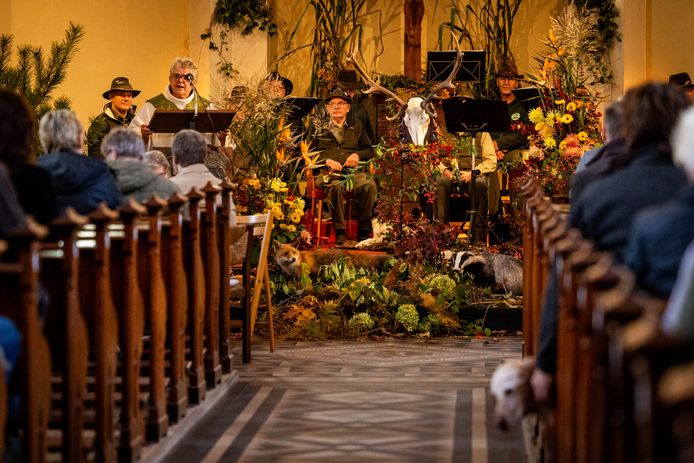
(502, 272)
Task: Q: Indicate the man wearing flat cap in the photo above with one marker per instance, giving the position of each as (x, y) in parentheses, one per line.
(344, 145)
(118, 112)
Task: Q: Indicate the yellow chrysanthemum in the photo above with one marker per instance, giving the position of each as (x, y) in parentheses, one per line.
(283, 226)
(536, 115)
(567, 119)
(550, 142)
(291, 228)
(582, 136)
(571, 106)
(296, 218)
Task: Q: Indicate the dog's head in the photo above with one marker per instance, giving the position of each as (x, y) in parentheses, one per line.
(510, 387)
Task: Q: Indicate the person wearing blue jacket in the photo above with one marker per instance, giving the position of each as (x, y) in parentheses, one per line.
(79, 181)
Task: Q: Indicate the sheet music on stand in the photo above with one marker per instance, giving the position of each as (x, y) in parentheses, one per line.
(207, 121)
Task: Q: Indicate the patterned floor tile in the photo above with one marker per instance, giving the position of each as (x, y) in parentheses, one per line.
(392, 401)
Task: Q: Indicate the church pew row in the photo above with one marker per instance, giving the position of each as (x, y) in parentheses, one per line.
(618, 396)
(136, 329)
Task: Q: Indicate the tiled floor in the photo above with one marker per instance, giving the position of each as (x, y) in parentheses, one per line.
(390, 401)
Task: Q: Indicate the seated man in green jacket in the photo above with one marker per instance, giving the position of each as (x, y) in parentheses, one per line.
(342, 146)
(118, 112)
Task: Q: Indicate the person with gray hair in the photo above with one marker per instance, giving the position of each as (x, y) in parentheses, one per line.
(79, 181)
(179, 94)
(189, 149)
(157, 161)
(659, 236)
(124, 152)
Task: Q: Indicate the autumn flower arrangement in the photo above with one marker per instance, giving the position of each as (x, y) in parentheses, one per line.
(275, 161)
(567, 122)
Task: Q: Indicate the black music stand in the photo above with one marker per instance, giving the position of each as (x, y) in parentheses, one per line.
(300, 106)
(475, 116)
(529, 97)
(206, 121)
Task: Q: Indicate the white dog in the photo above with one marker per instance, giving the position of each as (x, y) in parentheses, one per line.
(510, 387)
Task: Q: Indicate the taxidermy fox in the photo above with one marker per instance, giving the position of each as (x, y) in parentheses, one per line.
(290, 259)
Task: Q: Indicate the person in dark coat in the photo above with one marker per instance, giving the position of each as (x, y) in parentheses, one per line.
(660, 236)
(79, 181)
(607, 158)
(606, 209)
(344, 146)
(363, 108)
(33, 184)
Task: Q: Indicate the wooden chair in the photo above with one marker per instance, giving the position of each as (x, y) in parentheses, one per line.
(246, 290)
(316, 197)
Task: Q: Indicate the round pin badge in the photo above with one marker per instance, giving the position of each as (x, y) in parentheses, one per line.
(515, 116)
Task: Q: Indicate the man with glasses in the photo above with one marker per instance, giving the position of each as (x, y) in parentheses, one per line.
(342, 146)
(118, 112)
(180, 93)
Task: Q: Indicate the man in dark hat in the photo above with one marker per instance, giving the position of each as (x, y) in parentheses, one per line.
(507, 144)
(363, 107)
(343, 145)
(684, 82)
(118, 112)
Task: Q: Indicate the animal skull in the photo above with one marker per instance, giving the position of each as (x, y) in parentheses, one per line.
(416, 120)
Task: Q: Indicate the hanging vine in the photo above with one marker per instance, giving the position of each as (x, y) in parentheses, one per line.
(244, 15)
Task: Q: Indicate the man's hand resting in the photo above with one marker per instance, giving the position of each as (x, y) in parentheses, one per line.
(352, 160)
(333, 165)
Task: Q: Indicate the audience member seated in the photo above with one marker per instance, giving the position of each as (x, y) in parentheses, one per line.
(118, 112)
(11, 213)
(180, 93)
(124, 153)
(79, 181)
(605, 159)
(678, 318)
(660, 235)
(342, 146)
(606, 209)
(157, 161)
(486, 164)
(189, 149)
(33, 184)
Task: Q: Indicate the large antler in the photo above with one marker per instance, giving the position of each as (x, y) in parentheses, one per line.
(448, 83)
(375, 87)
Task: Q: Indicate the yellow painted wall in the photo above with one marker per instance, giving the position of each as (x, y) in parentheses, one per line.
(135, 39)
(140, 40)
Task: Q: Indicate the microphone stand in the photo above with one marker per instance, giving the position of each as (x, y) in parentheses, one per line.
(195, 101)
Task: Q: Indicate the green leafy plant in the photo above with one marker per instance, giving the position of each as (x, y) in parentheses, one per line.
(476, 328)
(408, 317)
(37, 75)
(243, 15)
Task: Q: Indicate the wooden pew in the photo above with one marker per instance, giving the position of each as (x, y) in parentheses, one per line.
(176, 285)
(210, 253)
(67, 334)
(195, 274)
(99, 311)
(224, 223)
(154, 292)
(130, 308)
(19, 289)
